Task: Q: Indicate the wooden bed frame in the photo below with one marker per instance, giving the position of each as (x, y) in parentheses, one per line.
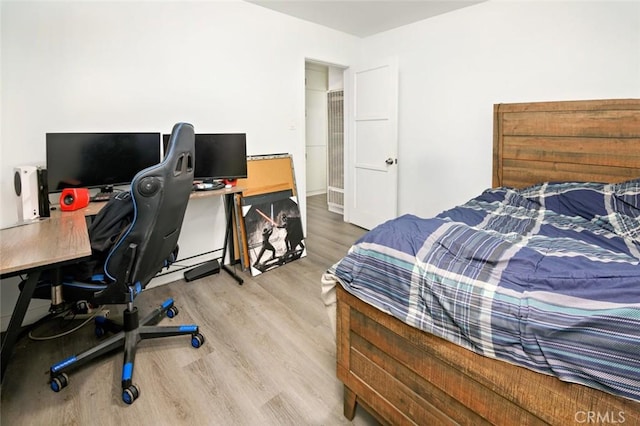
(402, 375)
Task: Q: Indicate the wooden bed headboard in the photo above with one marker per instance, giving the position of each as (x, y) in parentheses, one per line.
(596, 140)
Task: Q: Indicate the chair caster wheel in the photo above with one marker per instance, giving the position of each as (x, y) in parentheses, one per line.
(130, 394)
(59, 382)
(101, 324)
(197, 340)
(172, 312)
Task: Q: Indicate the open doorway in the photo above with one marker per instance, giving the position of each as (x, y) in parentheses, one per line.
(324, 134)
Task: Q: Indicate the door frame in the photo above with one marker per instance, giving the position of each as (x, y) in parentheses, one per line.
(344, 69)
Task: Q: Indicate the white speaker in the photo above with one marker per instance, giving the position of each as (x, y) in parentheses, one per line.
(25, 182)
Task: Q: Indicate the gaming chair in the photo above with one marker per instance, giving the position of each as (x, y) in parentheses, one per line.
(159, 195)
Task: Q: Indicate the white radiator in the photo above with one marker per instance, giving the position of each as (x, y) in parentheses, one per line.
(335, 151)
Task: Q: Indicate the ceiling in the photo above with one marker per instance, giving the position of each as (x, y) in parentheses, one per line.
(363, 18)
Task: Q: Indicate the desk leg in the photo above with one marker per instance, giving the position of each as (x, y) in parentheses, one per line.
(228, 238)
(15, 324)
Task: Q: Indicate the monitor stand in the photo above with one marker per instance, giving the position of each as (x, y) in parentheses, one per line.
(104, 194)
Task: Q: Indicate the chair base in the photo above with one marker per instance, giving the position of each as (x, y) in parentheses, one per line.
(127, 337)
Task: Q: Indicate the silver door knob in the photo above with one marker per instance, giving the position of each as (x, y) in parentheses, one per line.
(389, 161)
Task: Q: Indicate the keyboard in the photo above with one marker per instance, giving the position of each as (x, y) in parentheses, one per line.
(208, 186)
(101, 196)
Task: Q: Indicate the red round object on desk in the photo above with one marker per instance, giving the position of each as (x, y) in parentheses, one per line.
(74, 199)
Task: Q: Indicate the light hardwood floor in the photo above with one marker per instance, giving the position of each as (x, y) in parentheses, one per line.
(269, 358)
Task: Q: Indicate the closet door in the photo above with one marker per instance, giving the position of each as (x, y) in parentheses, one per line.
(373, 170)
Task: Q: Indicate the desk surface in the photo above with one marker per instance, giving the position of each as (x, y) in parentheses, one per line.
(59, 238)
(94, 208)
(223, 191)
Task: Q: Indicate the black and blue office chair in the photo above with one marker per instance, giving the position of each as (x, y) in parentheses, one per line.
(159, 195)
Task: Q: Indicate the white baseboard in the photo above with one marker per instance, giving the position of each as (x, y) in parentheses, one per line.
(336, 208)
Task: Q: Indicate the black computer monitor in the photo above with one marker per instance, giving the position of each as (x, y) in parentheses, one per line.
(219, 156)
(98, 160)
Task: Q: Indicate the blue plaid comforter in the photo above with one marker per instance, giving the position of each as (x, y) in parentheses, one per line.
(547, 277)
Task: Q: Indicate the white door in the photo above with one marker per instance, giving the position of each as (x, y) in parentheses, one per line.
(372, 193)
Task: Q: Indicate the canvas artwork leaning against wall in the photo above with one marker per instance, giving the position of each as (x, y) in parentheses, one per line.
(274, 230)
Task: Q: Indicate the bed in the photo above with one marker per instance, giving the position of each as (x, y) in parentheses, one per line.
(513, 327)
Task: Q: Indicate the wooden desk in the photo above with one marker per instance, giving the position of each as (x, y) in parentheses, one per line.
(30, 249)
(230, 209)
(217, 192)
(61, 239)
(57, 239)
(227, 195)
(94, 208)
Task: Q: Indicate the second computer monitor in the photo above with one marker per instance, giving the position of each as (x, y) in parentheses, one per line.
(98, 160)
(219, 155)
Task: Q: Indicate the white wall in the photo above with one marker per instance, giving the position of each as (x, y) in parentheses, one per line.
(336, 78)
(224, 66)
(455, 66)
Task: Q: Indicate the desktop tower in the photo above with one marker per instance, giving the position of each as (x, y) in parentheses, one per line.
(32, 193)
(43, 193)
